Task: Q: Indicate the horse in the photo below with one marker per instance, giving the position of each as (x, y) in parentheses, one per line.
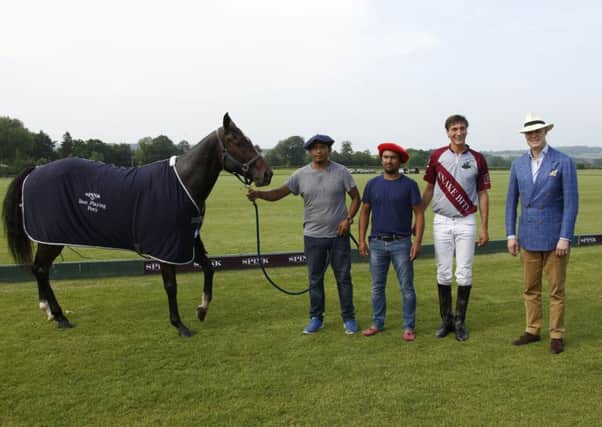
(98, 213)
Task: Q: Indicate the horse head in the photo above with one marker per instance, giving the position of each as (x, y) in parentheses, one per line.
(240, 157)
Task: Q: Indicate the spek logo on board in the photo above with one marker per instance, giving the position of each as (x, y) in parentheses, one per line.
(254, 261)
(233, 262)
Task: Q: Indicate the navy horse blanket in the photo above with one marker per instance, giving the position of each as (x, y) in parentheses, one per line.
(81, 202)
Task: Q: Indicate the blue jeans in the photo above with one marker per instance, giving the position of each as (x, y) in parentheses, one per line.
(319, 252)
(382, 254)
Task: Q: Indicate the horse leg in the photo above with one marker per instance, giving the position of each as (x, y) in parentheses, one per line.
(45, 255)
(168, 271)
(208, 270)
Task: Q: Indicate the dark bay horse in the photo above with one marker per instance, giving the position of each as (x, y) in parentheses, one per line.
(83, 207)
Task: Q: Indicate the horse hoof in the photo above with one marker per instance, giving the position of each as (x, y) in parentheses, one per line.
(201, 312)
(184, 332)
(64, 324)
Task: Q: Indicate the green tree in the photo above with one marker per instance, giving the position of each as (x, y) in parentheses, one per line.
(79, 149)
(155, 149)
(273, 157)
(183, 146)
(43, 148)
(96, 150)
(66, 145)
(138, 153)
(288, 152)
(16, 143)
(418, 158)
(365, 158)
(119, 154)
(597, 163)
(95, 155)
(346, 154)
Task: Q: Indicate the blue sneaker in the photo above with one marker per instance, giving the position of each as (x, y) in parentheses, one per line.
(313, 326)
(351, 327)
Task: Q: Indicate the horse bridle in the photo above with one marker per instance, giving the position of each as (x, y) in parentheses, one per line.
(244, 167)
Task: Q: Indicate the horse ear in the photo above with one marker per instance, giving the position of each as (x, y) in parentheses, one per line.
(227, 121)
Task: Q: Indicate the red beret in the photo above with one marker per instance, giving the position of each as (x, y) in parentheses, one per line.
(394, 147)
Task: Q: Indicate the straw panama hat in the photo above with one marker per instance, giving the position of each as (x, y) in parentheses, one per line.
(535, 122)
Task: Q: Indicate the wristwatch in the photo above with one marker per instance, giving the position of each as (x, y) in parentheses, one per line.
(350, 219)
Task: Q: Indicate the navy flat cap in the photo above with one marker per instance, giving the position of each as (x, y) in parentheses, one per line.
(318, 139)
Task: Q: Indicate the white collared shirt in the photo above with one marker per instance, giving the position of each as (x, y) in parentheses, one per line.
(536, 163)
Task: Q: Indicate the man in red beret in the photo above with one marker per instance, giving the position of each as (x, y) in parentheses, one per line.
(390, 199)
(457, 180)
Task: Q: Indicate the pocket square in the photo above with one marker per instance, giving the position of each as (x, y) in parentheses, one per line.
(554, 172)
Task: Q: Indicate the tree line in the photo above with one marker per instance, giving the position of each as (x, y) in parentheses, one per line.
(20, 147)
(290, 153)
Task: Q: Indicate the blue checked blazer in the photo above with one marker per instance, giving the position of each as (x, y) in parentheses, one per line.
(548, 207)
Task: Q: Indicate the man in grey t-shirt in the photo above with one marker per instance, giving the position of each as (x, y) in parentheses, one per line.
(326, 222)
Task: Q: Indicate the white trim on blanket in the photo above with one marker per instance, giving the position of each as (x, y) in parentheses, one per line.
(172, 163)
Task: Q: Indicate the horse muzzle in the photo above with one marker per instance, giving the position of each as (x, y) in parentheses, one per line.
(262, 174)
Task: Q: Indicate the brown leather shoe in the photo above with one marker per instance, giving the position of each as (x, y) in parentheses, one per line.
(556, 345)
(526, 338)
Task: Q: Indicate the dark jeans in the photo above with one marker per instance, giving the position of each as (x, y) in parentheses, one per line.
(319, 252)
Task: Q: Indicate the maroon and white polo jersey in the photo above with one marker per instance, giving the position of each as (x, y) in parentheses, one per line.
(458, 179)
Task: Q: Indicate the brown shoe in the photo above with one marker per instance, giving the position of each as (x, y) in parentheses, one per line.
(526, 338)
(556, 345)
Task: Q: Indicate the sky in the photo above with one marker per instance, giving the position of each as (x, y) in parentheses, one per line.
(359, 71)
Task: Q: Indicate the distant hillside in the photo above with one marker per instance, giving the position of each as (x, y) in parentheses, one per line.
(577, 152)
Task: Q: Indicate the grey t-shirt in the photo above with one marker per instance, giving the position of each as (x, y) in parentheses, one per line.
(324, 193)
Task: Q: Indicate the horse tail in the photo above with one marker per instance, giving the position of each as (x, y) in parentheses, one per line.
(19, 244)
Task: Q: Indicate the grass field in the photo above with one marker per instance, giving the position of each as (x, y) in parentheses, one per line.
(249, 364)
(229, 226)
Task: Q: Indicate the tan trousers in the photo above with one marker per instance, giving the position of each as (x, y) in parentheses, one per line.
(535, 265)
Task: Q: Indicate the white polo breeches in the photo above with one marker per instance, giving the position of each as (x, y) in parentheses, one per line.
(454, 235)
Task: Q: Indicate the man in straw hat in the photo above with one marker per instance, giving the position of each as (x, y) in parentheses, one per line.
(392, 198)
(323, 184)
(545, 182)
(457, 180)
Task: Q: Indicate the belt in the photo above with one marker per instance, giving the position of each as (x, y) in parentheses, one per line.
(390, 237)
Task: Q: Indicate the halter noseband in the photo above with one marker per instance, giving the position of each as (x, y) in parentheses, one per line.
(244, 167)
